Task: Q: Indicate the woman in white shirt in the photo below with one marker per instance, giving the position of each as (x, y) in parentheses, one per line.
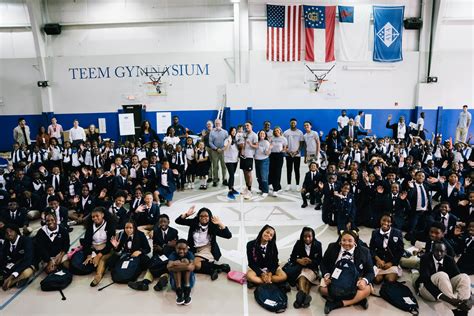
(171, 138)
(276, 159)
(97, 241)
(231, 155)
(262, 162)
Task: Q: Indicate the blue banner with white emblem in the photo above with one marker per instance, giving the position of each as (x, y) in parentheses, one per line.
(388, 28)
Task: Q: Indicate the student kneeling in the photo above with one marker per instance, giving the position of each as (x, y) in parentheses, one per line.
(181, 267)
(17, 258)
(262, 255)
(355, 257)
(440, 279)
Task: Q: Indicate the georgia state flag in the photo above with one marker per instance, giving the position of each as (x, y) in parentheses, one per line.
(319, 24)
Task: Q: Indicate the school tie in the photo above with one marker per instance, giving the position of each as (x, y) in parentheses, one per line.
(114, 209)
(444, 220)
(52, 234)
(331, 188)
(37, 158)
(56, 182)
(164, 236)
(12, 248)
(351, 132)
(423, 196)
(347, 255)
(440, 266)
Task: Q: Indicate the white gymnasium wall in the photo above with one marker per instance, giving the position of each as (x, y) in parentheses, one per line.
(270, 85)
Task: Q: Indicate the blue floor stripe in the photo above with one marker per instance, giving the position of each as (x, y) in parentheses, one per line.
(31, 281)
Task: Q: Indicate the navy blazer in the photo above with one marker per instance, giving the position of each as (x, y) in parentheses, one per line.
(464, 213)
(347, 207)
(465, 263)
(357, 131)
(87, 208)
(63, 214)
(121, 184)
(170, 179)
(45, 248)
(310, 185)
(454, 198)
(394, 251)
(62, 183)
(362, 260)
(21, 218)
(21, 257)
(213, 231)
(413, 197)
(122, 215)
(452, 220)
(150, 176)
(87, 240)
(257, 261)
(428, 268)
(315, 254)
(163, 243)
(139, 243)
(148, 217)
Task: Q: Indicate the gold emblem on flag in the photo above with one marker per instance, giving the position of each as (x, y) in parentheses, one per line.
(313, 16)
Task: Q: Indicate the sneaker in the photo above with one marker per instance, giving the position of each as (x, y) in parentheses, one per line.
(248, 195)
(288, 188)
(300, 297)
(275, 193)
(317, 206)
(304, 205)
(192, 185)
(364, 303)
(306, 301)
(179, 296)
(214, 275)
(21, 283)
(330, 306)
(214, 184)
(264, 195)
(230, 196)
(162, 283)
(235, 192)
(204, 187)
(209, 180)
(187, 296)
(138, 285)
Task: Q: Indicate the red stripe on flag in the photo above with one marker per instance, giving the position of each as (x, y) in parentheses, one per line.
(273, 44)
(287, 51)
(330, 26)
(309, 44)
(295, 18)
(300, 8)
(268, 42)
(278, 45)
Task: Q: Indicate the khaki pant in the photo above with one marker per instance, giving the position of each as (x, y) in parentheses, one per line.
(459, 287)
(33, 214)
(410, 263)
(216, 159)
(461, 134)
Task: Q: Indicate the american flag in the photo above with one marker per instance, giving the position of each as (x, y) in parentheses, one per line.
(284, 32)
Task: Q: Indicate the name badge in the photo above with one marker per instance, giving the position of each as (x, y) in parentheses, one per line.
(125, 264)
(336, 273)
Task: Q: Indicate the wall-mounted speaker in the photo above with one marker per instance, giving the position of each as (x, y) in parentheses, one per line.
(413, 23)
(52, 29)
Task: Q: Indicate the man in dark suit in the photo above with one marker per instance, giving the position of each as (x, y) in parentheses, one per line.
(57, 181)
(82, 206)
(327, 190)
(146, 177)
(17, 216)
(400, 130)
(121, 182)
(310, 183)
(393, 202)
(451, 191)
(352, 132)
(440, 279)
(431, 170)
(420, 203)
(16, 264)
(444, 216)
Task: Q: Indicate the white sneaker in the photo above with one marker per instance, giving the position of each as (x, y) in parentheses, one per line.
(248, 195)
(259, 191)
(288, 188)
(192, 185)
(298, 188)
(264, 195)
(275, 193)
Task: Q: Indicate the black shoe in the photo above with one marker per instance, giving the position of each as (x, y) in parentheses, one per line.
(214, 275)
(214, 184)
(250, 285)
(285, 286)
(138, 285)
(300, 297)
(330, 306)
(224, 268)
(304, 205)
(311, 202)
(187, 296)
(364, 303)
(317, 206)
(21, 283)
(162, 283)
(209, 180)
(307, 301)
(459, 312)
(225, 182)
(179, 296)
(70, 229)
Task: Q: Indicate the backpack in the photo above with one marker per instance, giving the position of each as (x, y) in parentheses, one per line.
(158, 265)
(237, 276)
(77, 267)
(293, 271)
(400, 296)
(343, 287)
(56, 281)
(271, 297)
(126, 269)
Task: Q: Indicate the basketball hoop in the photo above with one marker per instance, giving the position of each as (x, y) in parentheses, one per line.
(319, 75)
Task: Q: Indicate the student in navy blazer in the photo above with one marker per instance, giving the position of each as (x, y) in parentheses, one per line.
(164, 237)
(131, 242)
(116, 208)
(204, 229)
(449, 220)
(166, 188)
(345, 209)
(386, 247)
(419, 213)
(307, 255)
(146, 215)
(465, 263)
(16, 263)
(362, 259)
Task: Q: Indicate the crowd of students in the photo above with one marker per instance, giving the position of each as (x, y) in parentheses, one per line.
(387, 183)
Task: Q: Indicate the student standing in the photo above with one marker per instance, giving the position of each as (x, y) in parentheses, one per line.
(262, 162)
(312, 144)
(231, 156)
(279, 146)
(294, 137)
(248, 144)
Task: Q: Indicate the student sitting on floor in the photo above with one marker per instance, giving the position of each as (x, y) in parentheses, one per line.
(262, 256)
(307, 253)
(131, 242)
(204, 229)
(116, 208)
(181, 267)
(164, 243)
(310, 184)
(146, 215)
(16, 263)
(440, 279)
(17, 216)
(81, 206)
(348, 249)
(97, 241)
(51, 244)
(386, 246)
(345, 208)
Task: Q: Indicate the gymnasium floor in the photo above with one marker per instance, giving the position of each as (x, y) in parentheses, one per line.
(244, 218)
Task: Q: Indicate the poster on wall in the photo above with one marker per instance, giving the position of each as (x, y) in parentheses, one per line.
(126, 124)
(368, 121)
(163, 120)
